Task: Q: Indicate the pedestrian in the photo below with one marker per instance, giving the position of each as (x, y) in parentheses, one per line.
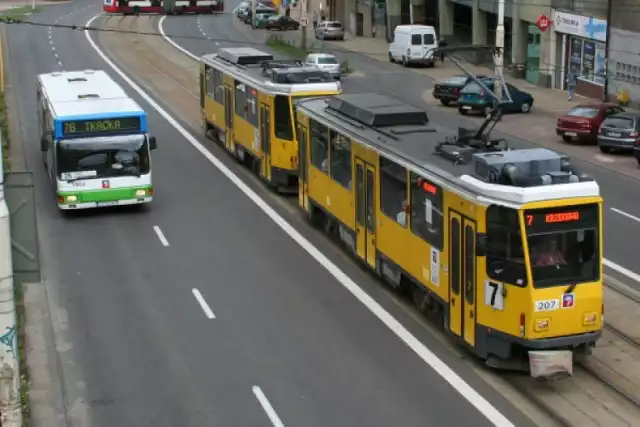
(287, 11)
(314, 19)
(572, 80)
(442, 44)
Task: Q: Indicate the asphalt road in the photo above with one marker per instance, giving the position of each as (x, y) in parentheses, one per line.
(138, 350)
(620, 192)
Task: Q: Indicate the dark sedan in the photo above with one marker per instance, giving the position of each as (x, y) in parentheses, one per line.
(282, 23)
(448, 90)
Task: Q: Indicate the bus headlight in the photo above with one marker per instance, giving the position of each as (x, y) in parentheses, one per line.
(542, 325)
(589, 318)
(141, 193)
(72, 198)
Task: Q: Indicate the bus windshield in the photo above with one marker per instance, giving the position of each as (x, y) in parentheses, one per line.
(102, 157)
(563, 245)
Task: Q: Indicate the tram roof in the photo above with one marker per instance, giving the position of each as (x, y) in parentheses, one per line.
(402, 133)
(246, 64)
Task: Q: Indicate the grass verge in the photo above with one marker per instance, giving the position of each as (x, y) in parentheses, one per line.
(290, 48)
(24, 372)
(19, 12)
(4, 128)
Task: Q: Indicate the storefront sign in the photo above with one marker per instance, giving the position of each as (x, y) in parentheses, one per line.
(543, 23)
(582, 26)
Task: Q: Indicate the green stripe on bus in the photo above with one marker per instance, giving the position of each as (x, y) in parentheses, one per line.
(104, 195)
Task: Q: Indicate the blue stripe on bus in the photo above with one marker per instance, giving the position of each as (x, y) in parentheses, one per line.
(57, 123)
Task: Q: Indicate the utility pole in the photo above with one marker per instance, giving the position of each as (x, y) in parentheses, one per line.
(607, 44)
(254, 4)
(499, 58)
(304, 22)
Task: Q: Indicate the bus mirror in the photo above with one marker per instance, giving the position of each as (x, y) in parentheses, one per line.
(152, 143)
(481, 244)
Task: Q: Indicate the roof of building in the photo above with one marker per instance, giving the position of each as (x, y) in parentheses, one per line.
(402, 133)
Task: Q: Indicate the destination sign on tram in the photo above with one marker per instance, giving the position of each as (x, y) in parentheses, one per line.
(122, 124)
(535, 218)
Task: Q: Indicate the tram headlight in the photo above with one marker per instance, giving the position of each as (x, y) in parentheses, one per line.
(542, 324)
(72, 198)
(589, 318)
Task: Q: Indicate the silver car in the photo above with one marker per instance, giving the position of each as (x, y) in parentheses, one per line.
(620, 132)
(326, 62)
(329, 30)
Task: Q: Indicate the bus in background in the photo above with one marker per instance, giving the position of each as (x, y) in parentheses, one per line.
(178, 7)
(94, 141)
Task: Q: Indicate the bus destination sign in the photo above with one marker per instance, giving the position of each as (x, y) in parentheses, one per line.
(83, 127)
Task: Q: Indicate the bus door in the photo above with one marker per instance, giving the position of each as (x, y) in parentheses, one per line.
(265, 140)
(365, 212)
(228, 118)
(302, 179)
(462, 277)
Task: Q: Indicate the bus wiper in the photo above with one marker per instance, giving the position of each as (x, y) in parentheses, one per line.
(570, 288)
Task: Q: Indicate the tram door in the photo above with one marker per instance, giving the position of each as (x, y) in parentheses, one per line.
(303, 199)
(265, 140)
(365, 212)
(462, 278)
(228, 118)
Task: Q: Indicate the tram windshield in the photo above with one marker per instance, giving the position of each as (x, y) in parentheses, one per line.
(563, 245)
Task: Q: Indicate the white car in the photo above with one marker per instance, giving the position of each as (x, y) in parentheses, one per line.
(326, 62)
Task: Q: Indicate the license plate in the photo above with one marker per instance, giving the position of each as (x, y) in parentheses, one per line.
(101, 204)
(615, 134)
(570, 134)
(466, 107)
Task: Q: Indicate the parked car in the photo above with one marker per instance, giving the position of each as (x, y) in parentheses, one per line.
(473, 98)
(413, 44)
(619, 132)
(262, 18)
(329, 30)
(326, 62)
(282, 23)
(448, 90)
(249, 14)
(582, 122)
(242, 10)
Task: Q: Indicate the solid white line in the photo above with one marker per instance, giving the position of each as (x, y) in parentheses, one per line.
(465, 390)
(266, 405)
(628, 215)
(205, 307)
(160, 235)
(620, 269)
(168, 40)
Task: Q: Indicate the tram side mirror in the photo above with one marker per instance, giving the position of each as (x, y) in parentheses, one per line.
(153, 144)
(481, 244)
(44, 141)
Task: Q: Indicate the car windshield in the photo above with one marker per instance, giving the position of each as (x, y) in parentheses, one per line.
(102, 157)
(327, 60)
(458, 80)
(563, 245)
(334, 25)
(583, 112)
(474, 87)
(619, 123)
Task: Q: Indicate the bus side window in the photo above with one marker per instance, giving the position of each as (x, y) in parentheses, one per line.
(427, 207)
(393, 191)
(505, 256)
(282, 119)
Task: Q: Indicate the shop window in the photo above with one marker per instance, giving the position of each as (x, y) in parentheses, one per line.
(283, 126)
(319, 145)
(427, 211)
(587, 58)
(393, 191)
(340, 159)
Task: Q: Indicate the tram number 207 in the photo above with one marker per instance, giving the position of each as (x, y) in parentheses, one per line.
(547, 305)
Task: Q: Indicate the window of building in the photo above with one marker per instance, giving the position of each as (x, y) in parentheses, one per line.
(218, 94)
(427, 211)
(587, 59)
(505, 257)
(283, 126)
(319, 145)
(340, 148)
(393, 191)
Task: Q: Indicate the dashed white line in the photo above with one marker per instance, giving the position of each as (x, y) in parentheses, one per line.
(203, 304)
(161, 237)
(266, 405)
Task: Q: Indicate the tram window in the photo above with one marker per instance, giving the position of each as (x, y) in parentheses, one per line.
(283, 127)
(393, 191)
(209, 81)
(505, 256)
(469, 263)
(241, 99)
(427, 206)
(217, 90)
(252, 105)
(319, 146)
(340, 147)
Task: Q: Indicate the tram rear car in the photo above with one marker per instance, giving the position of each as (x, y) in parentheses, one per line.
(503, 248)
(130, 7)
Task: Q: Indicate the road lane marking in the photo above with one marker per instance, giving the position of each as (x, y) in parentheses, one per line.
(171, 42)
(620, 269)
(161, 237)
(203, 304)
(481, 404)
(266, 405)
(628, 215)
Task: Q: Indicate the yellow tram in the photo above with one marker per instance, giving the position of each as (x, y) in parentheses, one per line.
(503, 247)
(247, 101)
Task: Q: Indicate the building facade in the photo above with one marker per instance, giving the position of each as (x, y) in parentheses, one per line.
(624, 51)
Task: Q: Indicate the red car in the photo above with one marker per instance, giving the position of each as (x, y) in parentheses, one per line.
(581, 123)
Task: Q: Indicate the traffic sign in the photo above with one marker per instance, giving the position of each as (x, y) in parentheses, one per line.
(304, 22)
(543, 23)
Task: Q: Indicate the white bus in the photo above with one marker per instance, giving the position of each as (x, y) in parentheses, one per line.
(94, 140)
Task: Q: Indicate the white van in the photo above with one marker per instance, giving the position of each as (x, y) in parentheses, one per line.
(413, 44)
